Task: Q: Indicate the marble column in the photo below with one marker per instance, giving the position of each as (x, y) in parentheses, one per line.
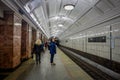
(10, 40)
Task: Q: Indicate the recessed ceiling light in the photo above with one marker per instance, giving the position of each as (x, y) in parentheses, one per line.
(69, 7)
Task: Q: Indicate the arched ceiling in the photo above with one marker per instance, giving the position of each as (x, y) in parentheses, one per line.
(54, 20)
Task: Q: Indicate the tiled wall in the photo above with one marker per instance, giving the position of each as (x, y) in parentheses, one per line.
(116, 41)
(101, 49)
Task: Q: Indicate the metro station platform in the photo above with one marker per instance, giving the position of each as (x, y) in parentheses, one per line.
(65, 69)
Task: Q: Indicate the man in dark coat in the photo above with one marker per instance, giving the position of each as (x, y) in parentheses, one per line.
(52, 50)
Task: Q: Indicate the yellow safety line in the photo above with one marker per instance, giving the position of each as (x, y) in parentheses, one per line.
(74, 71)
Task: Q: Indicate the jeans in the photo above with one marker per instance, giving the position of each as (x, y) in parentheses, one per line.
(38, 57)
(52, 58)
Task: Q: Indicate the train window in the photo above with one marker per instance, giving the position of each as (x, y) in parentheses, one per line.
(97, 39)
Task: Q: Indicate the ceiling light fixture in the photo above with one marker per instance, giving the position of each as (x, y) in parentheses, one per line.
(69, 7)
(60, 25)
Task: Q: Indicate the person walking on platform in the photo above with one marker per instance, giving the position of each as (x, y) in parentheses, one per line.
(37, 49)
(52, 49)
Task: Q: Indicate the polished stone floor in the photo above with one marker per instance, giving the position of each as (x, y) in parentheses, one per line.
(65, 69)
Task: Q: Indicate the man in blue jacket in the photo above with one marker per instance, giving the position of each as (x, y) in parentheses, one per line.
(52, 50)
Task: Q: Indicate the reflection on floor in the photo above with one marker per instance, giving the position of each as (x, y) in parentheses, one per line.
(65, 69)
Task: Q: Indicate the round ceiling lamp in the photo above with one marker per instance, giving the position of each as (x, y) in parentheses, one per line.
(69, 7)
(60, 25)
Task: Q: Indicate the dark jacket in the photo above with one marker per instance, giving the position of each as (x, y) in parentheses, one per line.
(37, 49)
(52, 48)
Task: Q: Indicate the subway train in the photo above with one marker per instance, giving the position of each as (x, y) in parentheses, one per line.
(86, 31)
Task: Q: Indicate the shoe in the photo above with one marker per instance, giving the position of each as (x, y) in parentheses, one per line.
(53, 64)
(36, 62)
(39, 62)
